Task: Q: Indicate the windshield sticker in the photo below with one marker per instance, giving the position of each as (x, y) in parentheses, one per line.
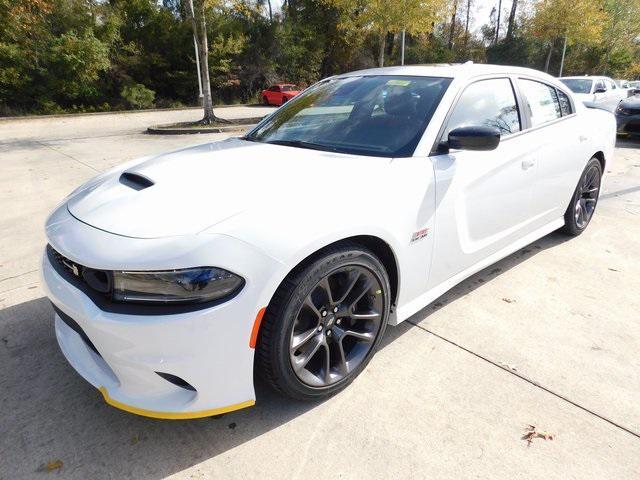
(399, 83)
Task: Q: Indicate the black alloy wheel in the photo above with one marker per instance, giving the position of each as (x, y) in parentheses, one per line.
(324, 323)
(584, 200)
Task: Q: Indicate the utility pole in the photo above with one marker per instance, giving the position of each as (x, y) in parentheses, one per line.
(564, 50)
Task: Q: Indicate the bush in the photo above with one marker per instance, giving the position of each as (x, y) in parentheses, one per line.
(138, 96)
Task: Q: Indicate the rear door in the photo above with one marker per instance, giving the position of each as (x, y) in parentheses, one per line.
(556, 142)
(483, 198)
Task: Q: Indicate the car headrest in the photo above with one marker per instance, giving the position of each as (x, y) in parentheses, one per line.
(400, 102)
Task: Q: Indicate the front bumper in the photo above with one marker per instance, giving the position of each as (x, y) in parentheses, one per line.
(208, 348)
(628, 124)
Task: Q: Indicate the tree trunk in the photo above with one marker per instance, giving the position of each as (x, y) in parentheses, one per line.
(495, 40)
(383, 44)
(452, 30)
(466, 25)
(548, 60)
(199, 26)
(512, 20)
(270, 11)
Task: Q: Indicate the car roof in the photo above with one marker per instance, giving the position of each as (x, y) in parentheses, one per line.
(451, 70)
(283, 85)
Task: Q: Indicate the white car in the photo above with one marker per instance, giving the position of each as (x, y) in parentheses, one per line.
(352, 207)
(600, 92)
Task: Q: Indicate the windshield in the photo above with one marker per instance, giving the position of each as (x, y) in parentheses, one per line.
(578, 85)
(378, 115)
(288, 88)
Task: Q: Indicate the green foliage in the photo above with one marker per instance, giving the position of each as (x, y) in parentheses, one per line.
(97, 55)
(138, 96)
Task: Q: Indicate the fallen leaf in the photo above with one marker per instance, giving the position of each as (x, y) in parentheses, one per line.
(508, 300)
(532, 432)
(614, 270)
(135, 439)
(51, 466)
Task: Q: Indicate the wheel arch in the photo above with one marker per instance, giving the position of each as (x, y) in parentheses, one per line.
(600, 156)
(377, 245)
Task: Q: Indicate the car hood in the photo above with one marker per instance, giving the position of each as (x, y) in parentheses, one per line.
(190, 190)
(631, 102)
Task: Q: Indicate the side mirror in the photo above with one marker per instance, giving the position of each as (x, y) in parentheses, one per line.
(474, 138)
(600, 90)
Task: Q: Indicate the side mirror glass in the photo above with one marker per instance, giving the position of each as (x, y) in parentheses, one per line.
(474, 138)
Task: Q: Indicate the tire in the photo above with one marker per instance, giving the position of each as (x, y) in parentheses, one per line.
(265, 101)
(584, 200)
(284, 100)
(294, 325)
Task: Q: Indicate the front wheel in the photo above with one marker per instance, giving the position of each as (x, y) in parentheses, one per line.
(324, 323)
(265, 101)
(584, 200)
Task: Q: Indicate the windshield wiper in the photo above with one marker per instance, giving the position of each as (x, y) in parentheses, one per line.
(302, 144)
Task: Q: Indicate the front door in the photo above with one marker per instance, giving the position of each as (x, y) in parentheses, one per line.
(483, 198)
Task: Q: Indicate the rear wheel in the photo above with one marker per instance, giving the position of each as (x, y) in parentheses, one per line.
(284, 100)
(584, 200)
(265, 100)
(324, 324)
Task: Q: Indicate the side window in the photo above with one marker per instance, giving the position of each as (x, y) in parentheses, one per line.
(611, 85)
(541, 100)
(274, 89)
(565, 103)
(489, 103)
(599, 85)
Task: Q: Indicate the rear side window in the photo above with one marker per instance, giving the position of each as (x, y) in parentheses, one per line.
(565, 103)
(489, 103)
(541, 101)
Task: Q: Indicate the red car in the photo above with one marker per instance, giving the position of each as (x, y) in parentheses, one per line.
(279, 93)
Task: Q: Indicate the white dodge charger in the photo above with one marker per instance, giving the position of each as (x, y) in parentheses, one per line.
(292, 248)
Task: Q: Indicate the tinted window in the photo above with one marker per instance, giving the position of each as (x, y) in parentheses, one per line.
(490, 103)
(541, 101)
(274, 89)
(565, 103)
(288, 88)
(381, 115)
(578, 85)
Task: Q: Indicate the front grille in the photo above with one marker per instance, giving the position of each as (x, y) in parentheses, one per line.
(632, 127)
(100, 281)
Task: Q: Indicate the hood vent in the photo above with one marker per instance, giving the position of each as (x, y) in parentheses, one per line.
(135, 181)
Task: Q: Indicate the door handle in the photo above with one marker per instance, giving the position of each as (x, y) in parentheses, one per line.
(527, 164)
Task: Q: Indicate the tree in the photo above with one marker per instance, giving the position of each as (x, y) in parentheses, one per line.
(384, 16)
(196, 11)
(576, 20)
(512, 20)
(622, 28)
(452, 28)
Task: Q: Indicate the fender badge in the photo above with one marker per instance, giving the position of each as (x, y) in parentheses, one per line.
(419, 234)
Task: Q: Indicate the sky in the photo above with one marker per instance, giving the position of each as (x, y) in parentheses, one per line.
(481, 9)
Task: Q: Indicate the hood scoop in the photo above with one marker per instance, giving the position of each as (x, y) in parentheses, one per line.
(135, 181)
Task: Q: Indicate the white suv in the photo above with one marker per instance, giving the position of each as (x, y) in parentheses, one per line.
(599, 91)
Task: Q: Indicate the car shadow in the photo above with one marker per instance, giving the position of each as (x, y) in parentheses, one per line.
(51, 413)
(628, 142)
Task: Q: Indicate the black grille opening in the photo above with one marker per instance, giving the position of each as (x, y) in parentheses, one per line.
(73, 325)
(177, 381)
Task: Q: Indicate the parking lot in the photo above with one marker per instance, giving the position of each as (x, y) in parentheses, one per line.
(549, 337)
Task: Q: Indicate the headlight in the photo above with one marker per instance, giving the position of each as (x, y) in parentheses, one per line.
(190, 285)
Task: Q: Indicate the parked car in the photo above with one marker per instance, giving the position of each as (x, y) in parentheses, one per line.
(628, 116)
(279, 94)
(624, 85)
(634, 88)
(365, 199)
(601, 91)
